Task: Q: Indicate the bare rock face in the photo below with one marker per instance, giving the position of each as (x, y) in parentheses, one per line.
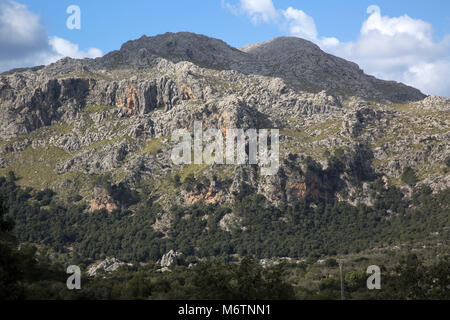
(172, 258)
(302, 62)
(102, 200)
(108, 265)
(27, 105)
(357, 121)
(435, 103)
(297, 61)
(182, 46)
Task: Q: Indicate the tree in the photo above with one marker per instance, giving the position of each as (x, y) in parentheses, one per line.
(177, 180)
(411, 278)
(331, 263)
(409, 176)
(10, 273)
(189, 182)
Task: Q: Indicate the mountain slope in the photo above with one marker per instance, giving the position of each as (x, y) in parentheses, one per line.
(97, 131)
(299, 62)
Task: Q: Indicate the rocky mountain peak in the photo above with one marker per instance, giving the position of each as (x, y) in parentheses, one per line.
(299, 62)
(184, 46)
(305, 56)
(304, 64)
(281, 46)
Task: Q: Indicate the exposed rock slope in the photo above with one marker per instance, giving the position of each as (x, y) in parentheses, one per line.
(64, 125)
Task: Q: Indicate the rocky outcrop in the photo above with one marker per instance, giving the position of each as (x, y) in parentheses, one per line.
(361, 118)
(102, 200)
(172, 258)
(27, 105)
(106, 266)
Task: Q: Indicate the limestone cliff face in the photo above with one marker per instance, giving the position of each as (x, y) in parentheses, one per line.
(28, 105)
(102, 200)
(34, 98)
(115, 115)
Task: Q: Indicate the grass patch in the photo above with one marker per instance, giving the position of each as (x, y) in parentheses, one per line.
(435, 171)
(294, 134)
(61, 128)
(326, 129)
(43, 133)
(152, 146)
(195, 169)
(35, 167)
(98, 144)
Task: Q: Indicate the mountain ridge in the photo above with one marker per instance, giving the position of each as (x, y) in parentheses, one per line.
(301, 63)
(115, 114)
(199, 49)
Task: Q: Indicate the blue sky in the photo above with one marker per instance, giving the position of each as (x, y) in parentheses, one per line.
(336, 26)
(107, 24)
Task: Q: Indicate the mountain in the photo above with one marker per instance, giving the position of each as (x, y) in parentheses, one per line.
(97, 133)
(299, 62)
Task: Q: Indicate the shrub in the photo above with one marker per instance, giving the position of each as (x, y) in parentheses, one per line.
(331, 263)
(409, 176)
(447, 161)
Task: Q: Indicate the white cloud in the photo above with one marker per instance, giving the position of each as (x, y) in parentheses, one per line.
(300, 24)
(296, 21)
(303, 26)
(402, 49)
(257, 10)
(418, 29)
(24, 42)
(260, 10)
(430, 77)
(20, 31)
(65, 48)
(392, 48)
